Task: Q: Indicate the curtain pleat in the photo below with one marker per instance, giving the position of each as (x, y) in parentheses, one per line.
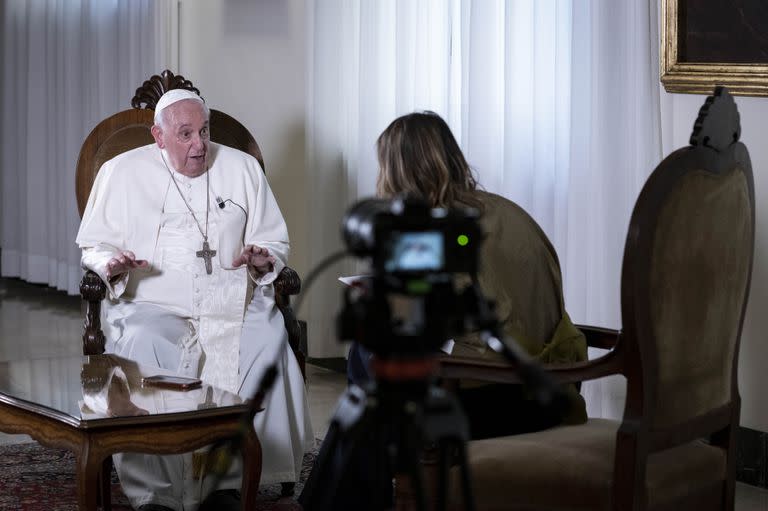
(67, 64)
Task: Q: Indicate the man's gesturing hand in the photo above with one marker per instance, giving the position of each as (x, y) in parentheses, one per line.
(124, 262)
(255, 256)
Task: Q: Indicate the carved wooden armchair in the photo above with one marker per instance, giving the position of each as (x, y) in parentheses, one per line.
(130, 129)
(684, 288)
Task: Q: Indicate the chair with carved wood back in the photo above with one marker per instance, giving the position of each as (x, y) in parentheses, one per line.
(130, 129)
(685, 282)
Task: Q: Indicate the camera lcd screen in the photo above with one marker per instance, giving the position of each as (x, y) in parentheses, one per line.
(415, 251)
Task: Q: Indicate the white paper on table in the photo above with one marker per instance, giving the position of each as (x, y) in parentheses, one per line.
(352, 279)
(447, 348)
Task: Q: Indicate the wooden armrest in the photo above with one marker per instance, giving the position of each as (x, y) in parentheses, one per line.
(93, 291)
(503, 372)
(288, 282)
(597, 337)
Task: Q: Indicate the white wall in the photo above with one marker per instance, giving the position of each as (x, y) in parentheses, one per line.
(678, 123)
(248, 58)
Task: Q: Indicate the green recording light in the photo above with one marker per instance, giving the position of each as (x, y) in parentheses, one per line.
(462, 240)
(418, 287)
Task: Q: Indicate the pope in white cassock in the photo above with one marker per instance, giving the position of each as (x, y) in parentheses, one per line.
(190, 287)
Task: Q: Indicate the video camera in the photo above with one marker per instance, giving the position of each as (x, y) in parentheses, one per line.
(410, 305)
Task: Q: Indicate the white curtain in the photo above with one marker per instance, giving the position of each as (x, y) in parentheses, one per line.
(555, 103)
(67, 64)
(615, 144)
(369, 62)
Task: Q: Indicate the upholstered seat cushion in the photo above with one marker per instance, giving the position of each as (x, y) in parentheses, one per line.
(571, 468)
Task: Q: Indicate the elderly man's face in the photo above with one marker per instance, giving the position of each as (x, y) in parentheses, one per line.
(185, 136)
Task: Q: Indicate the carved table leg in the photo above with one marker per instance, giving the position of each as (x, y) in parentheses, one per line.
(105, 484)
(88, 467)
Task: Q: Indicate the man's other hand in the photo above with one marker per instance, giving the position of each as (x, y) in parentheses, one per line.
(124, 262)
(257, 257)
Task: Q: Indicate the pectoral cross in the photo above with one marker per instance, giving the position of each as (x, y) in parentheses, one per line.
(206, 253)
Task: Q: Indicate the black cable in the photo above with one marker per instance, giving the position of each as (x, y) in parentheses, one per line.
(312, 276)
(238, 205)
(219, 467)
(221, 202)
(232, 443)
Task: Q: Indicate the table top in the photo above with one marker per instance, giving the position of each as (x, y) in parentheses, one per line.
(104, 390)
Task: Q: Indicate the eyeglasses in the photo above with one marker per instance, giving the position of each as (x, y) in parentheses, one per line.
(185, 136)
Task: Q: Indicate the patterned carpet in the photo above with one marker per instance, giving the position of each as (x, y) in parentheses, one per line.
(35, 478)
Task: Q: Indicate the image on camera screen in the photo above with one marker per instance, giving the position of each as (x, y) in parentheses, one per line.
(415, 251)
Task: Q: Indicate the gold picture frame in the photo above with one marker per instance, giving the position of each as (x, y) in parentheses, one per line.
(691, 67)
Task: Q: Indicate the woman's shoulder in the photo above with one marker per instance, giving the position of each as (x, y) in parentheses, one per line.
(505, 217)
(497, 206)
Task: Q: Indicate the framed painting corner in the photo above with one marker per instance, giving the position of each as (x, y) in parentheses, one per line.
(705, 43)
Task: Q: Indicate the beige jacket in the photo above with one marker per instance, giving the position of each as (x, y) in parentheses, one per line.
(520, 272)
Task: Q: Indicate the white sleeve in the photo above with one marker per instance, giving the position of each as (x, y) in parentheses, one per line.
(104, 218)
(96, 258)
(266, 227)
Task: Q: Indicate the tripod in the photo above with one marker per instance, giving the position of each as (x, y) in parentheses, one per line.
(381, 430)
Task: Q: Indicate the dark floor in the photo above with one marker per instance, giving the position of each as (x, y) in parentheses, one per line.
(37, 321)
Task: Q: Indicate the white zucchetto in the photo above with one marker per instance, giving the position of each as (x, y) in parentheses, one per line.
(171, 97)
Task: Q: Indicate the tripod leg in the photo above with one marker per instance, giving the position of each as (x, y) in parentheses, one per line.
(351, 471)
(442, 481)
(466, 483)
(417, 486)
(319, 472)
(446, 426)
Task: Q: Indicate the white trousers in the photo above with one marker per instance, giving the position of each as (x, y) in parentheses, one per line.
(153, 336)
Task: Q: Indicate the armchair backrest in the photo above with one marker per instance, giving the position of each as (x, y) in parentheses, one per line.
(686, 275)
(130, 129)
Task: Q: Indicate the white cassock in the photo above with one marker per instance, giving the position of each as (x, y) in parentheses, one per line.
(223, 327)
